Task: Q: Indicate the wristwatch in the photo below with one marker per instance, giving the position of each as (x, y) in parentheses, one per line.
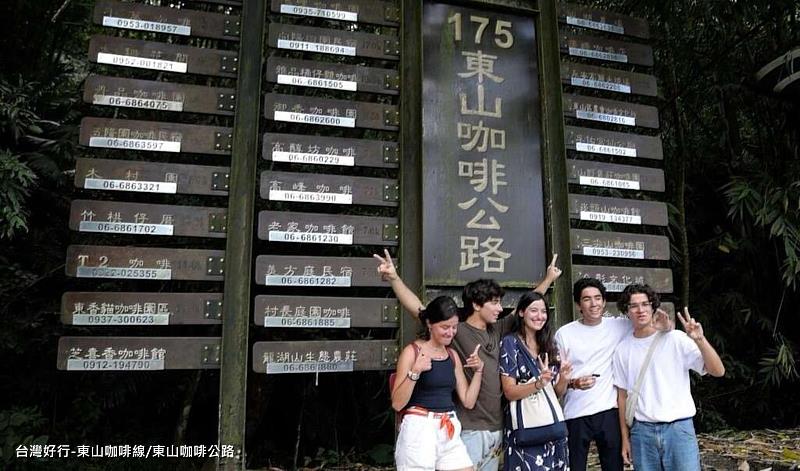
(412, 376)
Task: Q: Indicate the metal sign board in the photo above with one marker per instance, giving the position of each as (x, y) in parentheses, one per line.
(332, 76)
(618, 144)
(328, 189)
(330, 229)
(150, 177)
(599, 110)
(113, 217)
(151, 136)
(606, 79)
(317, 312)
(142, 309)
(162, 57)
(177, 21)
(599, 48)
(615, 279)
(612, 311)
(362, 11)
(305, 271)
(617, 210)
(332, 41)
(482, 181)
(144, 263)
(138, 353)
(621, 177)
(600, 20)
(158, 96)
(333, 113)
(619, 245)
(329, 151)
(325, 356)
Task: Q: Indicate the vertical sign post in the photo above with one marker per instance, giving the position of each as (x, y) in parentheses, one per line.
(236, 304)
(482, 182)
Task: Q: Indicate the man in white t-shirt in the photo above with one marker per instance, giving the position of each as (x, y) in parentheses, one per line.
(590, 404)
(662, 436)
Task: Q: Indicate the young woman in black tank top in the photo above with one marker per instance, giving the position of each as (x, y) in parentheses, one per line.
(427, 376)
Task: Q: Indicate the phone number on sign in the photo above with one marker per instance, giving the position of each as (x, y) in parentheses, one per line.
(101, 364)
(131, 319)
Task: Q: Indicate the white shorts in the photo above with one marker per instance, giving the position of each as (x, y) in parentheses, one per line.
(423, 445)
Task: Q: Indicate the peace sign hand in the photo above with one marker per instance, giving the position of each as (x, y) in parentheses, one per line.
(386, 266)
(546, 374)
(693, 328)
(565, 370)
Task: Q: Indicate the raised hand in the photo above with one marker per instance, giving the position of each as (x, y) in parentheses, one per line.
(474, 361)
(553, 272)
(546, 374)
(661, 321)
(386, 266)
(693, 328)
(565, 371)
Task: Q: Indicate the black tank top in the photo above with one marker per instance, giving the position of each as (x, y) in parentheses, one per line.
(434, 388)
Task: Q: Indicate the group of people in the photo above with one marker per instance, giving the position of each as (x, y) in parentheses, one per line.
(600, 368)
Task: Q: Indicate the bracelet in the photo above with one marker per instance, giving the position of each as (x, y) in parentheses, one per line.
(479, 371)
(571, 384)
(537, 383)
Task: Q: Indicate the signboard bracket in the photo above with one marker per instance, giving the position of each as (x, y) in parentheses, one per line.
(215, 265)
(391, 192)
(218, 222)
(391, 232)
(220, 181)
(213, 309)
(226, 101)
(210, 354)
(391, 313)
(389, 355)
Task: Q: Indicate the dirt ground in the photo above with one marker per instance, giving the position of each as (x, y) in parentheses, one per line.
(753, 450)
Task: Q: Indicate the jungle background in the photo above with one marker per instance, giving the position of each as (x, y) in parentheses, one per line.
(733, 164)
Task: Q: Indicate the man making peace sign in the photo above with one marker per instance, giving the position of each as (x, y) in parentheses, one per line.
(662, 436)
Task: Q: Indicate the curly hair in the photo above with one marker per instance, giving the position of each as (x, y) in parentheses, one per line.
(637, 288)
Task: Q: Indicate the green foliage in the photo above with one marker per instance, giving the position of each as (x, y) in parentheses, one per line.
(765, 205)
(779, 364)
(20, 426)
(18, 123)
(15, 180)
(32, 148)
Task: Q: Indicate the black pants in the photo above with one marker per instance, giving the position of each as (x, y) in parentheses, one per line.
(603, 428)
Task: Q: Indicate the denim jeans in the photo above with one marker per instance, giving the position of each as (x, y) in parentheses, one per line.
(667, 446)
(484, 448)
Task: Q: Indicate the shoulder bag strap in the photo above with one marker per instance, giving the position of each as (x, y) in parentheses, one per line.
(633, 395)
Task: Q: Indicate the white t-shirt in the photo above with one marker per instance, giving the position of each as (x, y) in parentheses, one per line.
(590, 349)
(664, 394)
